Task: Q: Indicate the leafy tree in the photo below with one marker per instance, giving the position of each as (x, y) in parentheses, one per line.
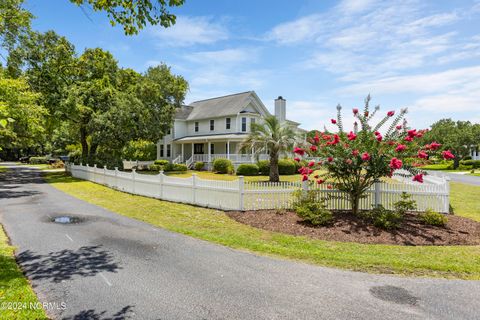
(270, 136)
(21, 117)
(354, 161)
(133, 15)
(14, 22)
(458, 136)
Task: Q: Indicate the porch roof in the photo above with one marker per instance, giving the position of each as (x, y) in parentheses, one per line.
(214, 137)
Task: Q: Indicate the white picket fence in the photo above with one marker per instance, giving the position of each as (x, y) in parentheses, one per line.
(242, 195)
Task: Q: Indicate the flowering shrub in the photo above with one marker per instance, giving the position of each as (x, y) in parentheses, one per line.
(356, 159)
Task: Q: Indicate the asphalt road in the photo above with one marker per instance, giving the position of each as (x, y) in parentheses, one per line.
(111, 267)
(463, 178)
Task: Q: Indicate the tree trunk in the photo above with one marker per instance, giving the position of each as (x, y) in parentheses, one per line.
(274, 176)
(355, 203)
(456, 162)
(84, 143)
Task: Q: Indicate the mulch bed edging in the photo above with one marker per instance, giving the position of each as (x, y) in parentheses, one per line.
(349, 228)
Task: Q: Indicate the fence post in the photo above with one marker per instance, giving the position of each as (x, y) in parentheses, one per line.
(133, 180)
(105, 175)
(377, 195)
(95, 173)
(241, 190)
(194, 187)
(160, 183)
(447, 189)
(304, 187)
(116, 177)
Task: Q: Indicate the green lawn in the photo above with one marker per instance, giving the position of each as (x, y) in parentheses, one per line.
(14, 287)
(227, 177)
(465, 200)
(213, 225)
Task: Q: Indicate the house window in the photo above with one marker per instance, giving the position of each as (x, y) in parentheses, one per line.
(244, 124)
(168, 150)
(161, 151)
(227, 123)
(212, 125)
(169, 131)
(212, 148)
(196, 126)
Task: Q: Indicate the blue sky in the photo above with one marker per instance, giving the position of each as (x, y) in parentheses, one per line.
(424, 55)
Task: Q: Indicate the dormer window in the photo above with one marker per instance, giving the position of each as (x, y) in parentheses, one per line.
(228, 123)
(212, 125)
(244, 124)
(196, 126)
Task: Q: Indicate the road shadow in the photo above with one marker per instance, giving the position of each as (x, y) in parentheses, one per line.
(65, 264)
(124, 313)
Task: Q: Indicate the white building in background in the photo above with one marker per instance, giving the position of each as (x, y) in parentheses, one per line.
(215, 128)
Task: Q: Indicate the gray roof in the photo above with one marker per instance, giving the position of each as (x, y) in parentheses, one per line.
(183, 112)
(220, 106)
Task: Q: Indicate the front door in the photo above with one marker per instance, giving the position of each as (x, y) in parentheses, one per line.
(198, 148)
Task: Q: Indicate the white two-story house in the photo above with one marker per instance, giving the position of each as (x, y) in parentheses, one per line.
(215, 128)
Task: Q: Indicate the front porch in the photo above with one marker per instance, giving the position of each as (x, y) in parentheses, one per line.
(189, 150)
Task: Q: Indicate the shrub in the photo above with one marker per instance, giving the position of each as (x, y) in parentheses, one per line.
(286, 167)
(247, 169)
(139, 150)
(199, 165)
(433, 218)
(179, 167)
(310, 209)
(467, 158)
(57, 165)
(222, 165)
(155, 167)
(464, 167)
(406, 203)
(38, 160)
(264, 167)
(161, 162)
(383, 218)
(475, 164)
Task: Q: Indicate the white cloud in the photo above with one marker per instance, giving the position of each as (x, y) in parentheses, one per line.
(296, 31)
(355, 6)
(189, 31)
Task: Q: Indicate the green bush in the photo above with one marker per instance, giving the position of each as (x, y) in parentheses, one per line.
(475, 164)
(467, 158)
(433, 218)
(161, 162)
(286, 167)
(264, 167)
(141, 150)
(383, 218)
(247, 169)
(38, 160)
(464, 167)
(310, 209)
(179, 167)
(406, 203)
(155, 167)
(199, 165)
(222, 165)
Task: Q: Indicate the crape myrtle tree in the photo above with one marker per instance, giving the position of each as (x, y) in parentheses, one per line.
(353, 161)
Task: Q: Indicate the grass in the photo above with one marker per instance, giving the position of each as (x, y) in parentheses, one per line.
(215, 226)
(14, 287)
(465, 200)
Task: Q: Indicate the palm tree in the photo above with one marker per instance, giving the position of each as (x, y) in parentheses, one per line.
(273, 137)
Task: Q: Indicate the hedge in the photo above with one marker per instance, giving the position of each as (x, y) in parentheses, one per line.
(285, 167)
(474, 163)
(222, 165)
(199, 165)
(38, 160)
(247, 169)
(264, 167)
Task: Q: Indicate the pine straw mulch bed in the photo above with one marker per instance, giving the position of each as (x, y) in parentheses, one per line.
(349, 228)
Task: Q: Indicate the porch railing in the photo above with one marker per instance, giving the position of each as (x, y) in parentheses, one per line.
(233, 157)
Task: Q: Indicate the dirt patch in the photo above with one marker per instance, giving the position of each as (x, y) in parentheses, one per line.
(349, 228)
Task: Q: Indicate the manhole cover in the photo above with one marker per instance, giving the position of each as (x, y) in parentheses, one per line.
(66, 220)
(393, 294)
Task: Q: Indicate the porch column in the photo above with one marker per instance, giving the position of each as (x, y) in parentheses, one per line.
(183, 157)
(192, 150)
(209, 149)
(228, 149)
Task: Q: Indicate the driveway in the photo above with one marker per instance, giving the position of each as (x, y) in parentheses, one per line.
(108, 266)
(458, 177)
